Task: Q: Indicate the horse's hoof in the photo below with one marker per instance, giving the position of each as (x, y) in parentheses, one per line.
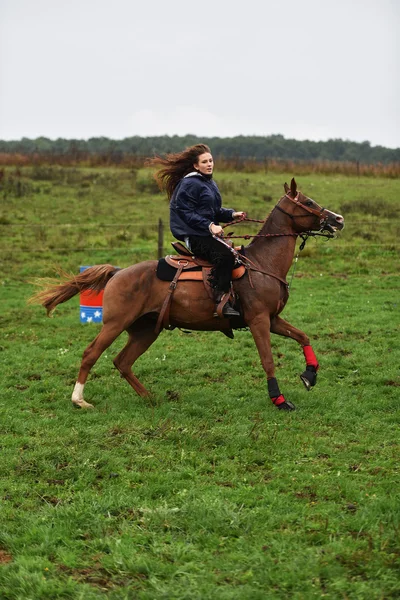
(287, 405)
(309, 378)
(82, 404)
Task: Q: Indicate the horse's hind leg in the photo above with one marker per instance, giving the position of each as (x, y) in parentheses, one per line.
(140, 339)
(107, 335)
(282, 327)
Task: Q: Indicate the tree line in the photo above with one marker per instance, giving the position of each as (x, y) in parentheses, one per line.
(256, 148)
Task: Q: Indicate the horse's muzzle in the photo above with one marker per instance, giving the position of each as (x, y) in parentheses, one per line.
(332, 222)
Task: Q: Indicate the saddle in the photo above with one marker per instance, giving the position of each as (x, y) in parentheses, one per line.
(193, 268)
(186, 267)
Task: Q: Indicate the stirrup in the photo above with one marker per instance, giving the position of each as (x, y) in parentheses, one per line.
(224, 309)
(229, 311)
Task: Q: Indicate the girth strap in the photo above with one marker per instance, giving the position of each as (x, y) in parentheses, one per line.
(163, 317)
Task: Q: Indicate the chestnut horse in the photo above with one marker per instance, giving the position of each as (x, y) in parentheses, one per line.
(133, 298)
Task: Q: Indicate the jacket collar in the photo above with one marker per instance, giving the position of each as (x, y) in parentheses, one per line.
(196, 173)
(193, 174)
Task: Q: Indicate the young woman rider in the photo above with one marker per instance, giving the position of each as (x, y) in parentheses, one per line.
(196, 211)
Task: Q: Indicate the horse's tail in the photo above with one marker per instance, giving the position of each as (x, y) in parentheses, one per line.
(56, 291)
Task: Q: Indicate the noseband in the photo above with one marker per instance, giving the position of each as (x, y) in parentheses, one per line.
(321, 212)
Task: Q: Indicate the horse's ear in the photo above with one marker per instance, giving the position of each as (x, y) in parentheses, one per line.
(293, 187)
(286, 187)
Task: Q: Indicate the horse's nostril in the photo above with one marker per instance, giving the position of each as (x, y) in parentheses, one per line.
(339, 219)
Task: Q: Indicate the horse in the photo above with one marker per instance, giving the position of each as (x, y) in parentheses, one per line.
(134, 297)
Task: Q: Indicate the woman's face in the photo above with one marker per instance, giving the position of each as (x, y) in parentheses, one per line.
(205, 163)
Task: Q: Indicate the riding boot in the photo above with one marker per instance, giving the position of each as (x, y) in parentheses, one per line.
(224, 307)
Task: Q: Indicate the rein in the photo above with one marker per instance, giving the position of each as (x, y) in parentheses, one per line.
(248, 237)
(320, 212)
(304, 236)
(253, 267)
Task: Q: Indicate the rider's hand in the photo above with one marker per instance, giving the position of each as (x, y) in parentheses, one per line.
(216, 229)
(237, 215)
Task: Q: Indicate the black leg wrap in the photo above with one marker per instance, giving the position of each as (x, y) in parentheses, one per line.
(309, 377)
(287, 405)
(275, 394)
(273, 388)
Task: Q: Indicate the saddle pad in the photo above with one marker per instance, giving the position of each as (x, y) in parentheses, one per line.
(166, 273)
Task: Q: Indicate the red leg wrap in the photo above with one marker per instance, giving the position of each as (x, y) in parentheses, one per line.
(278, 400)
(311, 359)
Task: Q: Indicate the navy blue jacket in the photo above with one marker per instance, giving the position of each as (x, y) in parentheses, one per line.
(195, 204)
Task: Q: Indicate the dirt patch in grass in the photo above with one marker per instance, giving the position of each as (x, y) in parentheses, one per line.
(99, 577)
(393, 383)
(5, 557)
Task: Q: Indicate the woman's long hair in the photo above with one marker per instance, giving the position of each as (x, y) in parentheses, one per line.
(176, 166)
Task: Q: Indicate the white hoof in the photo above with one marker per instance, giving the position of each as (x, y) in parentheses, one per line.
(82, 404)
(77, 396)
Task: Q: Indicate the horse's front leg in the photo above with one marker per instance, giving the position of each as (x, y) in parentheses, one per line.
(282, 327)
(260, 329)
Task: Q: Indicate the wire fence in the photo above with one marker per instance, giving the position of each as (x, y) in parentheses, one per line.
(159, 248)
(154, 226)
(79, 249)
(82, 225)
(150, 251)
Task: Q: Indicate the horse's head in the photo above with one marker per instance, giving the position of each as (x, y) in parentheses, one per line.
(306, 214)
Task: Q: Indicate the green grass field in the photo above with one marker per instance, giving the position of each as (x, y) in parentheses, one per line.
(205, 490)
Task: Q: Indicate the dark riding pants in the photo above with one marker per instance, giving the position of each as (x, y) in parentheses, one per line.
(210, 249)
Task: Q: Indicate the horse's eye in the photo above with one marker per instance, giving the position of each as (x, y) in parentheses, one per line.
(309, 203)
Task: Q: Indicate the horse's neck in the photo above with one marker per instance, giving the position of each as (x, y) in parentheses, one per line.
(274, 252)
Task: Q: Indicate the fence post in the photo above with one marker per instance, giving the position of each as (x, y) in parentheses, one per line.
(160, 249)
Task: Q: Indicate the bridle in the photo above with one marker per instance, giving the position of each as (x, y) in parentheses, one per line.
(320, 212)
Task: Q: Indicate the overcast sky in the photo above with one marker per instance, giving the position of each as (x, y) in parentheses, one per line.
(306, 69)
